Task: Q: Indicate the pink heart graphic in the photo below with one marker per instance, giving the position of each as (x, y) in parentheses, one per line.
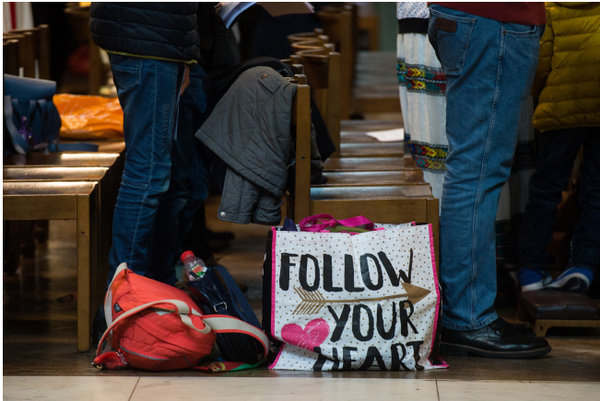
(313, 335)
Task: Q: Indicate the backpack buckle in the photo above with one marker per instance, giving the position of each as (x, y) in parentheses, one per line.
(219, 306)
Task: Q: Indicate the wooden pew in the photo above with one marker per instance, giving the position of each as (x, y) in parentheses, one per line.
(368, 23)
(322, 66)
(53, 176)
(39, 200)
(10, 52)
(26, 55)
(369, 83)
(106, 192)
(40, 48)
(382, 204)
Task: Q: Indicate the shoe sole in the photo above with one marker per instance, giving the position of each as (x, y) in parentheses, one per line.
(537, 286)
(576, 282)
(465, 350)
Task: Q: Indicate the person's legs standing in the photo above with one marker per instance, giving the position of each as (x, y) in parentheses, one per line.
(147, 91)
(555, 155)
(585, 255)
(489, 67)
(172, 221)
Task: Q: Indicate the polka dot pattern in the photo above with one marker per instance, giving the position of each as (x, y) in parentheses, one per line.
(417, 9)
(369, 321)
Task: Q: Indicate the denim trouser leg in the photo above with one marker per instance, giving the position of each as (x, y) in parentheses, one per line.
(489, 67)
(586, 239)
(556, 153)
(172, 222)
(147, 91)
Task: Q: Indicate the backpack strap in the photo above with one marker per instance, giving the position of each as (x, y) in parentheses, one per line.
(180, 308)
(240, 303)
(18, 141)
(230, 324)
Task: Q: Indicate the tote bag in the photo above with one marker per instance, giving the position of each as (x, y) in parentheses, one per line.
(352, 301)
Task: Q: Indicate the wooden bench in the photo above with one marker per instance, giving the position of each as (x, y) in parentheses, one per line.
(382, 204)
(369, 78)
(33, 51)
(10, 52)
(106, 194)
(546, 309)
(56, 176)
(40, 200)
(322, 68)
(36, 51)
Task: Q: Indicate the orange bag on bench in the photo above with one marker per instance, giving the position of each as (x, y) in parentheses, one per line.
(89, 117)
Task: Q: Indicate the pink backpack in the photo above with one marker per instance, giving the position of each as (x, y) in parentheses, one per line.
(155, 326)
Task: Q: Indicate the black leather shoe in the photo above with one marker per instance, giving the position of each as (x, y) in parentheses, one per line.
(519, 328)
(498, 339)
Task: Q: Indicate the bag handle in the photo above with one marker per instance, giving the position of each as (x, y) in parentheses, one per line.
(180, 307)
(324, 221)
(230, 324)
(19, 143)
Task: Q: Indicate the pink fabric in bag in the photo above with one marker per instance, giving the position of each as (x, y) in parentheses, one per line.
(321, 222)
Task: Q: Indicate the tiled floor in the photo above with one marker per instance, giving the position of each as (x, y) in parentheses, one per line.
(67, 388)
(40, 359)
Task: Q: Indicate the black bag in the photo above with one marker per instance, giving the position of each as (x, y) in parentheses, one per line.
(217, 293)
(31, 120)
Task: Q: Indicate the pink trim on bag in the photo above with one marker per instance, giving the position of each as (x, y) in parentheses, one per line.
(437, 290)
(273, 274)
(273, 291)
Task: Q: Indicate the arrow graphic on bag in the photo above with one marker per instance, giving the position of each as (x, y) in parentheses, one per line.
(313, 302)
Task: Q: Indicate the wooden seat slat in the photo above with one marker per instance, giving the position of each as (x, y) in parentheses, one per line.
(370, 164)
(19, 173)
(79, 159)
(379, 149)
(48, 188)
(373, 178)
(371, 193)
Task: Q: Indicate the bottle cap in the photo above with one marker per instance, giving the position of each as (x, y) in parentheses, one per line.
(186, 255)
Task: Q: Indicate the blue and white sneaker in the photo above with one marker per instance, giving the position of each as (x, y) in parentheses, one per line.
(533, 280)
(575, 279)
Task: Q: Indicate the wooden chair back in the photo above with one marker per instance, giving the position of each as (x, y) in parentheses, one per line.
(39, 50)
(26, 48)
(10, 52)
(338, 27)
(322, 67)
(337, 23)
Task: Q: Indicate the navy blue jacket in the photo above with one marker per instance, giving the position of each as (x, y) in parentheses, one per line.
(154, 30)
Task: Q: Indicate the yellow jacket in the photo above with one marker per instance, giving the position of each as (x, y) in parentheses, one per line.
(567, 80)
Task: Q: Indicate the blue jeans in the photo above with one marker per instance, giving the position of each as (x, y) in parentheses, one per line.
(556, 153)
(153, 191)
(490, 67)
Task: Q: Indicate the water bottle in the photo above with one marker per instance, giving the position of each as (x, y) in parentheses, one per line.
(193, 266)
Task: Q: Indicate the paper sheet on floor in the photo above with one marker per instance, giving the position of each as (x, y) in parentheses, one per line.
(390, 135)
